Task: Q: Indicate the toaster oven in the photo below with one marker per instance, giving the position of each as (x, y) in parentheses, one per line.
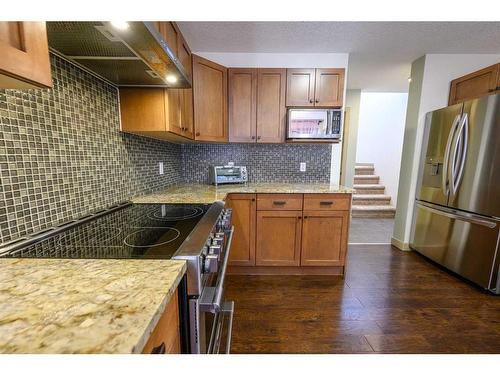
(228, 174)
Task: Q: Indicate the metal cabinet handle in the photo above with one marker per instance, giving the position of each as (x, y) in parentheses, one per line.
(160, 349)
(197, 134)
(310, 100)
(253, 136)
(305, 217)
(258, 137)
(326, 203)
(279, 203)
(317, 100)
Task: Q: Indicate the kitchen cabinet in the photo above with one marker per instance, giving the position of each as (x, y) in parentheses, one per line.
(166, 338)
(210, 100)
(25, 61)
(157, 113)
(242, 101)
(256, 105)
(324, 238)
(244, 221)
(278, 238)
(315, 87)
(474, 85)
(289, 233)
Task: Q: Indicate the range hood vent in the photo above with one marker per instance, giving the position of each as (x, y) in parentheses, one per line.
(137, 56)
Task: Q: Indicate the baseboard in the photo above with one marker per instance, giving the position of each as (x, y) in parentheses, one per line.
(277, 270)
(405, 246)
(371, 243)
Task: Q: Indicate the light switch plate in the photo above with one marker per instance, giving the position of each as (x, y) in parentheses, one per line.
(302, 167)
(160, 165)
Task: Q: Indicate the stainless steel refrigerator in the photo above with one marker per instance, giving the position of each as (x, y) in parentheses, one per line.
(457, 210)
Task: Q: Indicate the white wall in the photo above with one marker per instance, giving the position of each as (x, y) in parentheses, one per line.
(352, 101)
(438, 71)
(380, 136)
(288, 60)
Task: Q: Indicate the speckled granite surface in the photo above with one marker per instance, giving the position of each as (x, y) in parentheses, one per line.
(83, 305)
(191, 193)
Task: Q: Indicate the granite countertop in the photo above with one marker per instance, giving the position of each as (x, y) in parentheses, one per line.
(198, 193)
(83, 305)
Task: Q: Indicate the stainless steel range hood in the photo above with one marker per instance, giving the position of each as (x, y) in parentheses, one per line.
(135, 56)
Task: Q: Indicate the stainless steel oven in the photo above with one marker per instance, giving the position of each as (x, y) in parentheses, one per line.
(210, 314)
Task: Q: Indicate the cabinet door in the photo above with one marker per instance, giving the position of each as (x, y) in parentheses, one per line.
(329, 89)
(474, 85)
(271, 85)
(170, 33)
(210, 100)
(278, 238)
(187, 113)
(173, 105)
(166, 338)
(243, 219)
(184, 54)
(142, 110)
(300, 87)
(24, 52)
(324, 238)
(242, 104)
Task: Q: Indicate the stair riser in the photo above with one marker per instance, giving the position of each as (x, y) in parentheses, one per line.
(364, 172)
(370, 191)
(374, 180)
(373, 214)
(371, 202)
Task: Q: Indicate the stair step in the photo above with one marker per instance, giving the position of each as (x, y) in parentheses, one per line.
(371, 199)
(369, 189)
(366, 179)
(374, 211)
(365, 165)
(363, 170)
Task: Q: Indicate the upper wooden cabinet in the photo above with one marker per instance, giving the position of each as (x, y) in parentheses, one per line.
(175, 40)
(210, 100)
(243, 220)
(315, 87)
(242, 100)
(475, 85)
(300, 87)
(256, 105)
(157, 113)
(24, 51)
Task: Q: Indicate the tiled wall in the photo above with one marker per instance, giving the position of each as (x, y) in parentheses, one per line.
(62, 155)
(265, 162)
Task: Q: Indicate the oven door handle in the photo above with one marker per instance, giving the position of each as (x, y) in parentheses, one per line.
(211, 298)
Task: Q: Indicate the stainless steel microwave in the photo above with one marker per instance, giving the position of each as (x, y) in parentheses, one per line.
(314, 123)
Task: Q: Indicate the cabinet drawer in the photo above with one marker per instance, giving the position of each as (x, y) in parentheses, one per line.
(327, 202)
(279, 202)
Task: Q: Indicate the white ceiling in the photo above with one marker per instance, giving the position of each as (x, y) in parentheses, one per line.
(380, 52)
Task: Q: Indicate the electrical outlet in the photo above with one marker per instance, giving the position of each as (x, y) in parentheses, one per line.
(160, 165)
(302, 167)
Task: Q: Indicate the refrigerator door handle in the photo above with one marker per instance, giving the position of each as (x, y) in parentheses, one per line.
(452, 214)
(446, 162)
(461, 143)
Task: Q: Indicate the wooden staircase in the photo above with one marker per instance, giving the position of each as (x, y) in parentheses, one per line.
(369, 200)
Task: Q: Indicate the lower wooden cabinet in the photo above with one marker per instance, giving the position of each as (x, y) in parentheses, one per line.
(289, 233)
(166, 338)
(324, 238)
(278, 238)
(244, 221)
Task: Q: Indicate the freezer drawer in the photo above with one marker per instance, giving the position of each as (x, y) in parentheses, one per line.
(464, 243)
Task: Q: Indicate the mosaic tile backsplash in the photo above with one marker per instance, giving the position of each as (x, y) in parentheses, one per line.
(62, 155)
(265, 162)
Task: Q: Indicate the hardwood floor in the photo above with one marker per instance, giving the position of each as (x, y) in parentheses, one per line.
(389, 302)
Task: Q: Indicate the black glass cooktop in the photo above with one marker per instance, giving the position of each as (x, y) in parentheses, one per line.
(135, 231)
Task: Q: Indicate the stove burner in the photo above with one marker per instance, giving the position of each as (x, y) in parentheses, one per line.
(151, 237)
(174, 213)
(91, 236)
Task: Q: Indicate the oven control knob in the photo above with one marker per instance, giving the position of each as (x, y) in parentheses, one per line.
(215, 249)
(219, 235)
(211, 263)
(217, 241)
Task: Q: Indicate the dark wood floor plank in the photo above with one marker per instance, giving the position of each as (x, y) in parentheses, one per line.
(389, 302)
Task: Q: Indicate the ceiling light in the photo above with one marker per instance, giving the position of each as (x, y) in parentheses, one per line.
(409, 79)
(120, 25)
(171, 78)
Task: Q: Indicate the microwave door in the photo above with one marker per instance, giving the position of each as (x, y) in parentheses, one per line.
(307, 124)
